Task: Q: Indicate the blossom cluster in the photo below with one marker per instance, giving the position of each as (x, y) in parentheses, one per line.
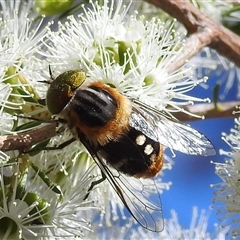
(226, 193)
(43, 189)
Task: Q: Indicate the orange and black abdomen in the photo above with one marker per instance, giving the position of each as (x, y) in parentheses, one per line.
(133, 157)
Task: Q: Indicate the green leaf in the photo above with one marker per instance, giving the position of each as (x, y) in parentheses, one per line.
(38, 147)
(231, 22)
(26, 96)
(28, 125)
(52, 7)
(46, 180)
(73, 10)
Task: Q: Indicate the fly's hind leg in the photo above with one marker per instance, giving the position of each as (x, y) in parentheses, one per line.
(93, 184)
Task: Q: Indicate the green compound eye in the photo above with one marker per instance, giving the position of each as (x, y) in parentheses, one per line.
(62, 89)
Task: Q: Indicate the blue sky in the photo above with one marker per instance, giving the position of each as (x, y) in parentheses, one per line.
(192, 176)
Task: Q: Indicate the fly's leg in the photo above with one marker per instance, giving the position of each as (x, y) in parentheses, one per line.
(93, 184)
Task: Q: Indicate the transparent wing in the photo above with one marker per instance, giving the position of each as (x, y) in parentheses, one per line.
(168, 131)
(133, 192)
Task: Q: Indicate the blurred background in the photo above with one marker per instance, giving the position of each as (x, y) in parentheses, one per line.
(191, 176)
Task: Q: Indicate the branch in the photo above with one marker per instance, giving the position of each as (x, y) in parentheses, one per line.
(202, 31)
(208, 110)
(26, 140)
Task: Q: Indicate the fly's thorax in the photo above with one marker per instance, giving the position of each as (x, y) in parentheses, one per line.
(99, 111)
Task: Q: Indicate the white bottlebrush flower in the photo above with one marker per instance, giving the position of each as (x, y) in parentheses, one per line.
(126, 52)
(172, 230)
(197, 229)
(20, 38)
(31, 208)
(213, 8)
(209, 62)
(226, 197)
(72, 215)
(228, 75)
(20, 35)
(20, 210)
(123, 51)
